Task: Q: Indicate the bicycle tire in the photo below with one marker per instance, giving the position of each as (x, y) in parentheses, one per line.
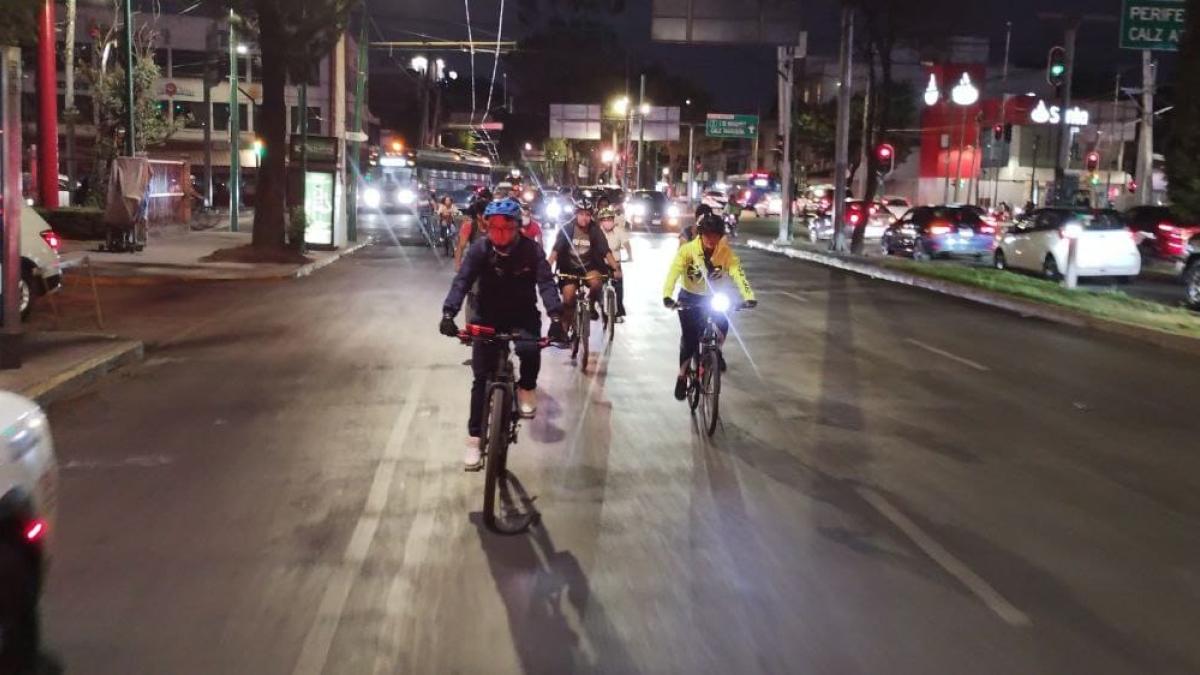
(610, 311)
(583, 316)
(693, 385)
(710, 392)
(495, 453)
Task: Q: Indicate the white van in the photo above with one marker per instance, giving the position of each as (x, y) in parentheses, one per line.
(41, 271)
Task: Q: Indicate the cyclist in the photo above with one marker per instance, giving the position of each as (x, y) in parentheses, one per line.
(581, 250)
(471, 229)
(618, 240)
(530, 227)
(511, 270)
(712, 202)
(702, 266)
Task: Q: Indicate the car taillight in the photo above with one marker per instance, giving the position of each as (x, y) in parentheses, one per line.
(1167, 227)
(988, 229)
(51, 239)
(939, 229)
(854, 218)
(35, 530)
(874, 210)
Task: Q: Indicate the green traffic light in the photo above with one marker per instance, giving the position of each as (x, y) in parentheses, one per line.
(1057, 69)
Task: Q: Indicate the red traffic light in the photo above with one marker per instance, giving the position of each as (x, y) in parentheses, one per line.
(1133, 186)
(1093, 160)
(885, 152)
(998, 132)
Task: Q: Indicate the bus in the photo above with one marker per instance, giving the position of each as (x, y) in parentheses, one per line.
(406, 180)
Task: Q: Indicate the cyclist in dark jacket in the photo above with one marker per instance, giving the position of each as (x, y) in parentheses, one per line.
(511, 270)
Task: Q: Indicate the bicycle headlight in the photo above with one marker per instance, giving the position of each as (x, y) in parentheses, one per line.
(554, 209)
(720, 303)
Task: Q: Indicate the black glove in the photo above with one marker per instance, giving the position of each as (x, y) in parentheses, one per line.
(669, 303)
(448, 327)
(750, 304)
(556, 332)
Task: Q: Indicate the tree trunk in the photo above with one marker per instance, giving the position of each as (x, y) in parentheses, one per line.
(270, 201)
(868, 152)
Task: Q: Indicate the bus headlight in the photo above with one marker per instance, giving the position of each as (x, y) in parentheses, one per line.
(372, 198)
(406, 197)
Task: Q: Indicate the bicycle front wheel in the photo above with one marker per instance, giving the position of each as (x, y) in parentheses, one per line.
(496, 453)
(584, 317)
(710, 391)
(610, 311)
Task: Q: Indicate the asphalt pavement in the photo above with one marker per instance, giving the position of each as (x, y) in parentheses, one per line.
(903, 483)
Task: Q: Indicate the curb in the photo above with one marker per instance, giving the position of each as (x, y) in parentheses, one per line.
(163, 279)
(83, 374)
(1024, 308)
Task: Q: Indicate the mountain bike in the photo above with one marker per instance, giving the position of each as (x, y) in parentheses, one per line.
(581, 332)
(703, 376)
(608, 308)
(501, 422)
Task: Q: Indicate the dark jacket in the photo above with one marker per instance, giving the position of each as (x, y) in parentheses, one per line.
(508, 284)
(580, 252)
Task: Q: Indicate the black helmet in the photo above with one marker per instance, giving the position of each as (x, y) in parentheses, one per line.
(584, 204)
(711, 223)
(477, 206)
(484, 194)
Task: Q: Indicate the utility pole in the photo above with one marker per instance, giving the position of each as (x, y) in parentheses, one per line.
(1033, 173)
(1113, 136)
(1145, 163)
(10, 176)
(641, 131)
(69, 110)
(352, 158)
(864, 141)
(211, 77)
(691, 171)
(842, 144)
(786, 58)
(235, 145)
(127, 44)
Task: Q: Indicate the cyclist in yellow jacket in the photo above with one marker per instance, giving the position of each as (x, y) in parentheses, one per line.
(703, 266)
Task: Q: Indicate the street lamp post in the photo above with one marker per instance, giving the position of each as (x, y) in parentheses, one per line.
(964, 95)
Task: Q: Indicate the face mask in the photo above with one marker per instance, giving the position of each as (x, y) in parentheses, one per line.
(501, 232)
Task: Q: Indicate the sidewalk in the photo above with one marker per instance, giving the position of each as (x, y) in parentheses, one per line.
(55, 365)
(178, 258)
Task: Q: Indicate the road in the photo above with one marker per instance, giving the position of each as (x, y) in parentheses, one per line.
(903, 484)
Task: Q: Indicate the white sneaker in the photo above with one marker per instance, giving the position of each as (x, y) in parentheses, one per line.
(527, 402)
(472, 458)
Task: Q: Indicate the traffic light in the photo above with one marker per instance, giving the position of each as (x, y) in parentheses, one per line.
(1093, 161)
(1056, 67)
(1132, 185)
(886, 154)
(997, 132)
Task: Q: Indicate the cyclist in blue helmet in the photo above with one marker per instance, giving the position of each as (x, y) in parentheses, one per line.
(511, 271)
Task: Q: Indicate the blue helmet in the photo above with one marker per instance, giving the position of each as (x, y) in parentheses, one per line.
(508, 207)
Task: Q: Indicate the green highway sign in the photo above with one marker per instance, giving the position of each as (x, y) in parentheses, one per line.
(719, 125)
(1152, 24)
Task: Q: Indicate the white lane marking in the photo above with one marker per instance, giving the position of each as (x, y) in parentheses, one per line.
(958, 569)
(319, 639)
(953, 357)
(137, 461)
(793, 296)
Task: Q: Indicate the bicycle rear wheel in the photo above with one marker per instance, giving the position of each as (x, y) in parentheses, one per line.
(495, 454)
(693, 384)
(610, 311)
(710, 391)
(584, 318)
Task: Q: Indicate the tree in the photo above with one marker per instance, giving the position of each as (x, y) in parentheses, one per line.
(106, 80)
(1183, 154)
(293, 37)
(18, 21)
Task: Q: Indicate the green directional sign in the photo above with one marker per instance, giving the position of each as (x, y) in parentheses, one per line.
(1152, 24)
(719, 125)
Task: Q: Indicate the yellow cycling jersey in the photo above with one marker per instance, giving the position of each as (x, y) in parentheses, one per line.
(689, 270)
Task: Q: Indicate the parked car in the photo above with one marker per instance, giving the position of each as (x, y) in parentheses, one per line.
(928, 231)
(41, 271)
(876, 213)
(1040, 242)
(1191, 273)
(645, 207)
(769, 205)
(897, 205)
(28, 489)
(1160, 233)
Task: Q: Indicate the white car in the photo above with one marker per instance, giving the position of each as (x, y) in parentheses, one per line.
(770, 205)
(41, 270)
(28, 490)
(1040, 243)
(898, 206)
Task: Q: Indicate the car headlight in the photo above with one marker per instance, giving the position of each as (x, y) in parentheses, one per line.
(554, 209)
(720, 303)
(25, 435)
(637, 210)
(406, 197)
(673, 211)
(372, 198)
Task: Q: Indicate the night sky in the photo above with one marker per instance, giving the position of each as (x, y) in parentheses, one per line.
(741, 78)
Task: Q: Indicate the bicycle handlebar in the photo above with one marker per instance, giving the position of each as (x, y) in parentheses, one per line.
(475, 333)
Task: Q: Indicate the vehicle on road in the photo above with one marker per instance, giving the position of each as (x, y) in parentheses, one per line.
(1160, 234)
(1040, 241)
(930, 231)
(41, 269)
(876, 213)
(770, 205)
(815, 199)
(501, 422)
(897, 205)
(28, 491)
(1191, 273)
(645, 208)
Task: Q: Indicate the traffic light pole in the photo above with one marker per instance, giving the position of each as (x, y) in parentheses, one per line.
(235, 124)
(1063, 158)
(127, 43)
(841, 160)
(786, 57)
